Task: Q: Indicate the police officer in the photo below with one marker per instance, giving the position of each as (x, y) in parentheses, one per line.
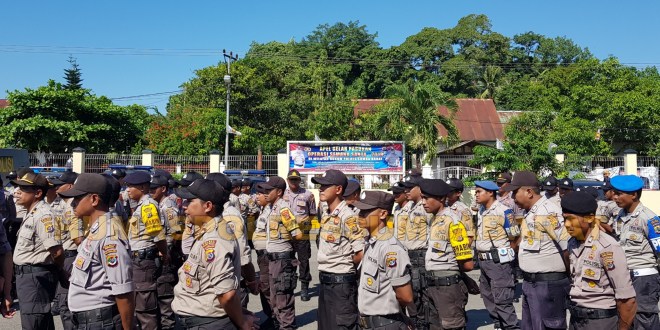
(551, 191)
(401, 210)
(259, 239)
(455, 205)
(146, 236)
(607, 209)
(565, 186)
(38, 255)
(71, 232)
(244, 198)
(495, 231)
(232, 216)
(7, 215)
(302, 204)
(206, 296)
(352, 194)
(101, 293)
(542, 255)
(281, 229)
(188, 178)
(638, 229)
(384, 287)
(448, 254)
(340, 249)
(602, 295)
(415, 227)
(167, 280)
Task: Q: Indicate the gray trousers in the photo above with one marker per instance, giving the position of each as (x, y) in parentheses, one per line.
(62, 297)
(591, 324)
(145, 272)
(282, 283)
(544, 304)
(648, 294)
(497, 290)
(446, 306)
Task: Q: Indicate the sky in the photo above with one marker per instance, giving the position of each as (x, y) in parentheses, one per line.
(132, 48)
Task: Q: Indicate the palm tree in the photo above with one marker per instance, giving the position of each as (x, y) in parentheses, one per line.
(412, 115)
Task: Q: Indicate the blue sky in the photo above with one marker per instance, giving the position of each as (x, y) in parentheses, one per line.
(625, 29)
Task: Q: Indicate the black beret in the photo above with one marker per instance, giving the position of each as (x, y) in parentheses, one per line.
(351, 187)
(434, 187)
(397, 188)
(455, 184)
(138, 177)
(579, 202)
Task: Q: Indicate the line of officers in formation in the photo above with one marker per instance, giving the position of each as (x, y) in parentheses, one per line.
(111, 257)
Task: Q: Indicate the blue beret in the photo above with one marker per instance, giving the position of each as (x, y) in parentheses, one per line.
(488, 185)
(627, 183)
(138, 177)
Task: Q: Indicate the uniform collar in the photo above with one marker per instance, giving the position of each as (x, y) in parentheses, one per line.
(634, 213)
(338, 209)
(538, 203)
(384, 234)
(208, 227)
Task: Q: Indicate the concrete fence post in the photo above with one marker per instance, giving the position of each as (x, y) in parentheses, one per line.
(78, 160)
(630, 161)
(214, 161)
(147, 157)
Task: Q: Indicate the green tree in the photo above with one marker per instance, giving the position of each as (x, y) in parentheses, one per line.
(52, 118)
(72, 75)
(412, 115)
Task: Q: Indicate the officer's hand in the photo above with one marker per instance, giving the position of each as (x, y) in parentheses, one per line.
(253, 287)
(5, 308)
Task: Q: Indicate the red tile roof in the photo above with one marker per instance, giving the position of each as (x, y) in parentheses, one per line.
(476, 119)
(3, 103)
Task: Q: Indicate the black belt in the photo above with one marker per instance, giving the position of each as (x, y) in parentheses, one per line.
(261, 253)
(539, 277)
(329, 278)
(194, 321)
(419, 253)
(150, 254)
(28, 269)
(281, 255)
(442, 281)
(70, 253)
(377, 321)
(95, 315)
(592, 313)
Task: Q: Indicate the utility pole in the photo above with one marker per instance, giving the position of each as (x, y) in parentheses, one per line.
(228, 59)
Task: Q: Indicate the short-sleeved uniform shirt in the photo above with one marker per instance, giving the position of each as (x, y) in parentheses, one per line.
(495, 227)
(260, 235)
(340, 239)
(465, 214)
(385, 265)
(233, 201)
(301, 203)
(103, 267)
(281, 227)
(544, 238)
(68, 226)
(36, 235)
(448, 242)
(212, 269)
(607, 212)
(416, 229)
(171, 220)
(639, 236)
(599, 272)
(554, 198)
(234, 225)
(145, 227)
(401, 214)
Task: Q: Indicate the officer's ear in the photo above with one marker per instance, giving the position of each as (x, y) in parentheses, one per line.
(340, 191)
(208, 207)
(383, 214)
(590, 219)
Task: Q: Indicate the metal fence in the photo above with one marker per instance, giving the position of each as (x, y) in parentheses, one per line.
(248, 162)
(589, 163)
(458, 172)
(50, 159)
(182, 164)
(97, 163)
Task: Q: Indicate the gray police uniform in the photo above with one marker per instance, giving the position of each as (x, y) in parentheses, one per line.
(340, 239)
(281, 226)
(545, 288)
(101, 271)
(211, 269)
(599, 277)
(236, 227)
(233, 201)
(495, 226)
(385, 265)
(36, 276)
(69, 228)
(259, 240)
(167, 280)
(446, 294)
(400, 215)
(145, 228)
(639, 236)
(607, 212)
(303, 206)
